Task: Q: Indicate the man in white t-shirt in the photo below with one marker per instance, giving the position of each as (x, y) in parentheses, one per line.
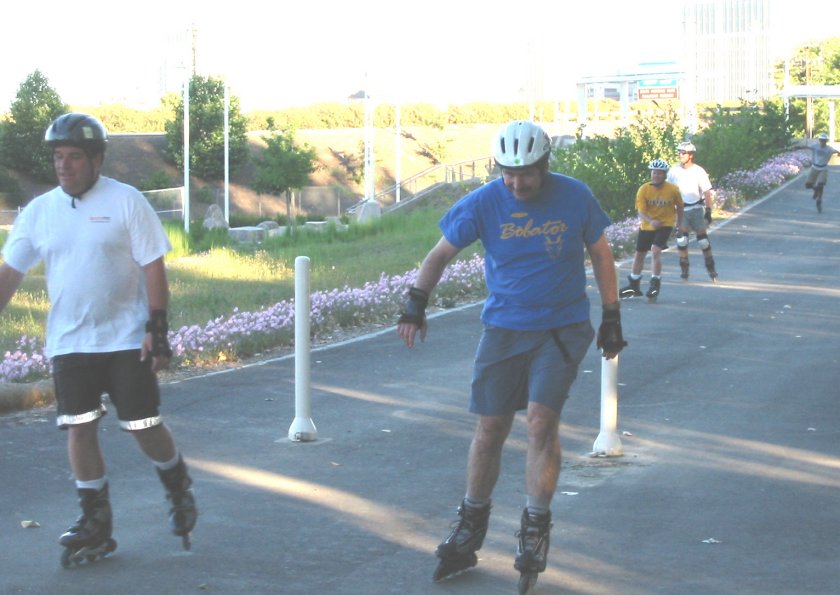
(103, 246)
(696, 191)
(821, 154)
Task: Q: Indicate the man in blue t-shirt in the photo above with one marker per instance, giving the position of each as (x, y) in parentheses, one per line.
(535, 227)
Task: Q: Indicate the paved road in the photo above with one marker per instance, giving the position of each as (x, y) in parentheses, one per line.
(729, 482)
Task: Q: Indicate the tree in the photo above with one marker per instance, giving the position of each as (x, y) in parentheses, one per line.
(22, 137)
(816, 62)
(207, 130)
(283, 165)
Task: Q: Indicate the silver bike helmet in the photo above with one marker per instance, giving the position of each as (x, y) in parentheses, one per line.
(521, 144)
(77, 130)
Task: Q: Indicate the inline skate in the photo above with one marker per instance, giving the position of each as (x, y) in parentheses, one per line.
(182, 512)
(653, 290)
(457, 552)
(90, 538)
(532, 551)
(633, 289)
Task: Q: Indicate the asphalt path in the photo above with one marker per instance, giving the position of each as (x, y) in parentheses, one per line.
(728, 419)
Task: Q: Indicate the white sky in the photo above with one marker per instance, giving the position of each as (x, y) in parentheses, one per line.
(280, 54)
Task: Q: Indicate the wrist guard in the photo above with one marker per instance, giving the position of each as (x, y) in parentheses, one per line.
(610, 338)
(708, 215)
(415, 307)
(159, 329)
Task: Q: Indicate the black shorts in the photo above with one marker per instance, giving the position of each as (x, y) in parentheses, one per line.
(82, 378)
(650, 237)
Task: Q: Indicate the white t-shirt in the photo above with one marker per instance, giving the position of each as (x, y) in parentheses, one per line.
(94, 254)
(821, 155)
(693, 183)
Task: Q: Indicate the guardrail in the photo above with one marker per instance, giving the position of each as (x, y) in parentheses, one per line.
(420, 183)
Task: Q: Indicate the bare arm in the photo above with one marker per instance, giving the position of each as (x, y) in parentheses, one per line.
(10, 280)
(708, 197)
(157, 289)
(428, 277)
(603, 267)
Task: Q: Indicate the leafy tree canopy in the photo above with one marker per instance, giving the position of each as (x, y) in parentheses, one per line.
(207, 130)
(22, 145)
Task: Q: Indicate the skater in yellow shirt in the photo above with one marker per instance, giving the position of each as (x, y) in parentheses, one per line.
(660, 207)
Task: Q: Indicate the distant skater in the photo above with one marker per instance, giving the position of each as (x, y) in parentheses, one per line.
(696, 191)
(821, 154)
(660, 207)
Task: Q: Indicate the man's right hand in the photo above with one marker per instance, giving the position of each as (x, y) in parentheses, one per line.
(413, 317)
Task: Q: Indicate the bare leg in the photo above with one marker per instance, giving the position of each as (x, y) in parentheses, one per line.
(544, 455)
(83, 450)
(485, 455)
(656, 261)
(156, 443)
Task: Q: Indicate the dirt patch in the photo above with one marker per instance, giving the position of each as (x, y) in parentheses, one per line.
(138, 158)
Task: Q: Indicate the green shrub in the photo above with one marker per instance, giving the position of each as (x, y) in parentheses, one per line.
(157, 181)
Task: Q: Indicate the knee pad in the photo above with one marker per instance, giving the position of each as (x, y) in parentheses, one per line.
(808, 185)
(703, 242)
(682, 241)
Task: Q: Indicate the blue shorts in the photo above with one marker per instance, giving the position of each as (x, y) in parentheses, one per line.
(82, 378)
(513, 368)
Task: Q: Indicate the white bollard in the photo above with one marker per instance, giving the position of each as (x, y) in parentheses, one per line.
(302, 428)
(608, 443)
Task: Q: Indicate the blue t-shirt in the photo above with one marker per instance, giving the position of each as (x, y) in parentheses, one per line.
(534, 250)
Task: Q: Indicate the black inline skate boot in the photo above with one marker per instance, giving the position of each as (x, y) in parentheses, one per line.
(653, 290)
(710, 267)
(634, 288)
(532, 551)
(182, 513)
(90, 537)
(457, 551)
(683, 268)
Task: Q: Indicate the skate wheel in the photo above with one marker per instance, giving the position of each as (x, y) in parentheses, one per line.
(66, 558)
(526, 582)
(450, 567)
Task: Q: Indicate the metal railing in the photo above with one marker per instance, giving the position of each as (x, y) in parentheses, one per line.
(422, 182)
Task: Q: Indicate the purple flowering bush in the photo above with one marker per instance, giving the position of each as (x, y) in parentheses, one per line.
(737, 187)
(242, 334)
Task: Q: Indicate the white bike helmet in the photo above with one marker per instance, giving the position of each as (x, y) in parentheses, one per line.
(521, 144)
(659, 164)
(687, 146)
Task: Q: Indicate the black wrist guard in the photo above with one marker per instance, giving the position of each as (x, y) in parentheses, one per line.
(708, 215)
(415, 307)
(610, 338)
(159, 328)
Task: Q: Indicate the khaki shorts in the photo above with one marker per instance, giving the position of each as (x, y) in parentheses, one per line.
(817, 177)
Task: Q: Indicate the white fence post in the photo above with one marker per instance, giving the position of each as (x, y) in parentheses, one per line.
(608, 443)
(302, 428)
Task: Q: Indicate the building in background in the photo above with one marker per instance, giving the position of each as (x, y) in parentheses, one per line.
(728, 53)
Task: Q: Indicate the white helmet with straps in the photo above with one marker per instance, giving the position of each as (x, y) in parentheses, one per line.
(659, 164)
(687, 146)
(521, 144)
